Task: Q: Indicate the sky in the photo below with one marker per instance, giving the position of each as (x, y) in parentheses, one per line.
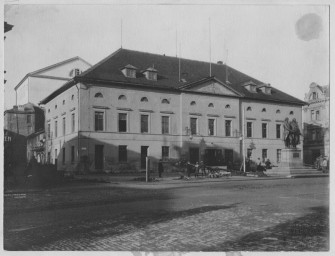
(284, 45)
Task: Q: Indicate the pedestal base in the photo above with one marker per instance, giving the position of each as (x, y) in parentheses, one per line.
(291, 163)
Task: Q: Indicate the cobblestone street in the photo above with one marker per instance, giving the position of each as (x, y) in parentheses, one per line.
(260, 215)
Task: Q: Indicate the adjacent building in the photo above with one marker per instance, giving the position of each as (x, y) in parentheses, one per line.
(134, 104)
(38, 84)
(316, 123)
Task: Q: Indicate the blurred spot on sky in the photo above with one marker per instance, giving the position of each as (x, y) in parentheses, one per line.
(308, 27)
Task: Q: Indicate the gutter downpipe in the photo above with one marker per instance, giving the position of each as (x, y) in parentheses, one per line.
(78, 116)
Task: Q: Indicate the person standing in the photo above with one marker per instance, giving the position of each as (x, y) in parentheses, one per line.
(160, 168)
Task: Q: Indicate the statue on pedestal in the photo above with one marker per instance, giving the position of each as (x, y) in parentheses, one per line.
(291, 134)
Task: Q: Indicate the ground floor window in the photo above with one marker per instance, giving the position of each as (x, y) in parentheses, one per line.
(123, 153)
(165, 152)
(72, 154)
(278, 155)
(63, 158)
(264, 154)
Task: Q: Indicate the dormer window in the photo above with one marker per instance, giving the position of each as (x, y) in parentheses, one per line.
(193, 103)
(227, 106)
(250, 86)
(98, 95)
(151, 74)
(278, 111)
(211, 105)
(264, 110)
(249, 108)
(265, 88)
(129, 71)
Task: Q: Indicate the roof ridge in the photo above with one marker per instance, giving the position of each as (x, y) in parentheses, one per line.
(99, 63)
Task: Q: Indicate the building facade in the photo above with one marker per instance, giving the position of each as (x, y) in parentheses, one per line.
(134, 104)
(316, 123)
(38, 84)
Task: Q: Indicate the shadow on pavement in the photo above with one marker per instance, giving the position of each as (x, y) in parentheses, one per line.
(122, 224)
(307, 233)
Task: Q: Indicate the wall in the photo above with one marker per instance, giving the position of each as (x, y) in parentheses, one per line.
(52, 114)
(257, 117)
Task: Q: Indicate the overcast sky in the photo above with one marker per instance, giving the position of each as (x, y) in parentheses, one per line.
(284, 45)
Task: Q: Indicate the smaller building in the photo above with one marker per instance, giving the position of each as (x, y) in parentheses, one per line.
(25, 119)
(316, 123)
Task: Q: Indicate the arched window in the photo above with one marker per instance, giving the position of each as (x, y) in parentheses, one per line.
(211, 105)
(227, 106)
(165, 101)
(63, 102)
(98, 95)
(264, 110)
(193, 103)
(249, 108)
(278, 111)
(122, 97)
(55, 106)
(72, 97)
(291, 112)
(49, 110)
(144, 99)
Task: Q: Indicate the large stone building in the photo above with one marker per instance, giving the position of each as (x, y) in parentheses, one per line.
(133, 104)
(316, 123)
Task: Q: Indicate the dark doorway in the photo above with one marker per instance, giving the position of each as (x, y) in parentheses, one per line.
(144, 154)
(213, 157)
(194, 155)
(99, 157)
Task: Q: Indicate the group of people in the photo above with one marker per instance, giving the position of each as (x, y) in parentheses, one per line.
(321, 163)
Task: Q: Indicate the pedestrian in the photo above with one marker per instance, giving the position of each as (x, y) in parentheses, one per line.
(259, 165)
(196, 169)
(268, 164)
(160, 168)
(324, 165)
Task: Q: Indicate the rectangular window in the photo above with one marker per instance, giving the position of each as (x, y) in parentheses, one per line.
(264, 154)
(144, 123)
(73, 122)
(123, 154)
(72, 154)
(228, 128)
(278, 131)
(165, 152)
(278, 155)
(64, 126)
(98, 121)
(28, 119)
(49, 131)
(122, 122)
(56, 156)
(314, 135)
(312, 115)
(165, 124)
(249, 129)
(56, 126)
(211, 127)
(317, 115)
(49, 157)
(194, 125)
(264, 130)
(63, 158)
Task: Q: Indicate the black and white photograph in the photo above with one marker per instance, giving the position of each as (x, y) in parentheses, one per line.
(167, 128)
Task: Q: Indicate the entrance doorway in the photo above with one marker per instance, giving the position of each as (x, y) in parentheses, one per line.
(99, 157)
(194, 155)
(144, 154)
(213, 157)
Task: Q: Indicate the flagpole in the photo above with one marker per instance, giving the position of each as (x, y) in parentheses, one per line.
(243, 141)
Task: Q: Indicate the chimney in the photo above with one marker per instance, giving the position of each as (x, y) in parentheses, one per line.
(220, 62)
(15, 107)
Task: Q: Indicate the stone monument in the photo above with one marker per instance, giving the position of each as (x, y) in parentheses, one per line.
(291, 156)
